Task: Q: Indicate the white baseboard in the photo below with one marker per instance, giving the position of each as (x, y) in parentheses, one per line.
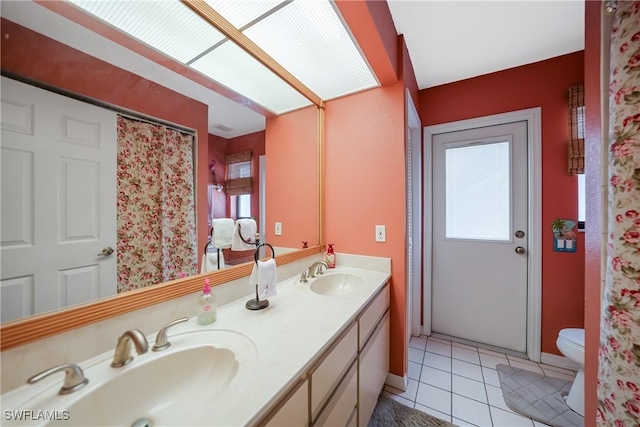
(559, 361)
(397, 382)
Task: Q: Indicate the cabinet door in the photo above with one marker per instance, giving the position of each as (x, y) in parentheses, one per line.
(330, 370)
(294, 411)
(372, 314)
(340, 407)
(373, 370)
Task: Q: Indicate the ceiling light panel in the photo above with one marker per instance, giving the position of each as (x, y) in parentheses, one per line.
(309, 40)
(241, 13)
(168, 26)
(231, 66)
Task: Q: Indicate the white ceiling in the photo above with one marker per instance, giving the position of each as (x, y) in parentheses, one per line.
(455, 40)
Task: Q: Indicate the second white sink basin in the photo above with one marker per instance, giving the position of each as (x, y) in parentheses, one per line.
(336, 283)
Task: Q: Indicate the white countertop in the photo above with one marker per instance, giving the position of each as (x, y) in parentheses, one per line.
(296, 328)
(293, 331)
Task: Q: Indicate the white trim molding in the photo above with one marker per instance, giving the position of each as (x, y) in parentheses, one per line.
(396, 381)
(533, 117)
(559, 361)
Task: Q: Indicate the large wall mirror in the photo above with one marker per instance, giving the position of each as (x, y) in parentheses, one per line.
(65, 48)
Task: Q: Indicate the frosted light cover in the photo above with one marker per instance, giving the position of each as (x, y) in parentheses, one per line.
(241, 13)
(231, 66)
(478, 192)
(309, 40)
(168, 26)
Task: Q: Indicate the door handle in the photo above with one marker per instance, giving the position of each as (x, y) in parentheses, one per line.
(106, 251)
(520, 250)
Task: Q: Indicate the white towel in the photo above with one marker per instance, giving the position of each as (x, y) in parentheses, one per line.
(264, 274)
(210, 262)
(222, 232)
(249, 229)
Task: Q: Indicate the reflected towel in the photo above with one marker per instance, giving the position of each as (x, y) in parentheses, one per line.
(264, 274)
(210, 262)
(248, 227)
(222, 232)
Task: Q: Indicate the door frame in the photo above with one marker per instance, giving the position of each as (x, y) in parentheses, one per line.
(414, 289)
(533, 117)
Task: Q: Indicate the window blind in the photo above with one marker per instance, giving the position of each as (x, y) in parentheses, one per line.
(576, 126)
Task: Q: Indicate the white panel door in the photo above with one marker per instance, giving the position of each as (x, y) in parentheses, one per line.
(479, 289)
(58, 202)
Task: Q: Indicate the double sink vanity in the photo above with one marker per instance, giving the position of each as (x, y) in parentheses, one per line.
(317, 356)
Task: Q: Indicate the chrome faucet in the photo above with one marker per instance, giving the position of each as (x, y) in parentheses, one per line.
(74, 378)
(316, 268)
(162, 342)
(122, 355)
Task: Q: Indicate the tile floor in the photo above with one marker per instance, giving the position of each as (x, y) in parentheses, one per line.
(459, 383)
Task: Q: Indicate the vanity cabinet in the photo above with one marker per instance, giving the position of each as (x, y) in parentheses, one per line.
(341, 387)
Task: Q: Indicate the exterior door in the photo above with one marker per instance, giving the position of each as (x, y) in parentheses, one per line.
(58, 201)
(479, 282)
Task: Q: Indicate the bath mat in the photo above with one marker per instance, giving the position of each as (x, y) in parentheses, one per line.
(389, 413)
(537, 396)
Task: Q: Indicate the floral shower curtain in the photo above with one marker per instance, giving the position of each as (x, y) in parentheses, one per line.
(155, 205)
(619, 356)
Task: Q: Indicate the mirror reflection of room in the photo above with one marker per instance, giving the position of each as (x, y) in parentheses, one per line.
(48, 48)
(234, 203)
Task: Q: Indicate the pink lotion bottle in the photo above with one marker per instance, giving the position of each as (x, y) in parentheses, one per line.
(206, 307)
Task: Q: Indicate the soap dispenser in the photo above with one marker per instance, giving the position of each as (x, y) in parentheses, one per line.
(206, 308)
(330, 256)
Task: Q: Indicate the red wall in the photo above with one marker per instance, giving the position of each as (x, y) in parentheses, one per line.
(41, 59)
(365, 170)
(293, 178)
(593, 235)
(542, 84)
(217, 150)
(365, 186)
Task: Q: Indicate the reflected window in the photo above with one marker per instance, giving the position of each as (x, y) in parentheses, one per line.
(243, 206)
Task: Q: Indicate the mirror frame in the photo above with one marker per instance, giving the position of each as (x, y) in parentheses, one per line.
(23, 331)
(47, 324)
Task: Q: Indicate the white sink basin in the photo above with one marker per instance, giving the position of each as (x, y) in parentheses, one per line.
(194, 382)
(336, 283)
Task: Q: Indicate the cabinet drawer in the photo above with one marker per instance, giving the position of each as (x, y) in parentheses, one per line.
(369, 319)
(330, 370)
(294, 410)
(341, 406)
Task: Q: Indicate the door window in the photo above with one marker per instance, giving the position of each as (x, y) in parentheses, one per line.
(477, 191)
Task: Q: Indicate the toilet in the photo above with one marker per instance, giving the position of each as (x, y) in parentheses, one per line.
(571, 343)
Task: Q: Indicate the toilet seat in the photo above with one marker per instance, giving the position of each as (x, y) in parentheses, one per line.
(573, 335)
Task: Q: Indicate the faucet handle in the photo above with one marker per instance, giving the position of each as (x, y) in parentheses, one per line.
(162, 342)
(303, 277)
(74, 378)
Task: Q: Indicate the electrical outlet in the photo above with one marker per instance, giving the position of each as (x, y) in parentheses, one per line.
(381, 233)
(278, 229)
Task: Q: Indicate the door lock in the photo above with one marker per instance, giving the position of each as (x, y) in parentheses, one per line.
(519, 234)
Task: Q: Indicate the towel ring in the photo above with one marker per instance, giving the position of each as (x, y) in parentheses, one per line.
(242, 238)
(256, 254)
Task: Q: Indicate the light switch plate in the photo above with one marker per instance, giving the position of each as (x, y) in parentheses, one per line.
(381, 233)
(278, 229)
